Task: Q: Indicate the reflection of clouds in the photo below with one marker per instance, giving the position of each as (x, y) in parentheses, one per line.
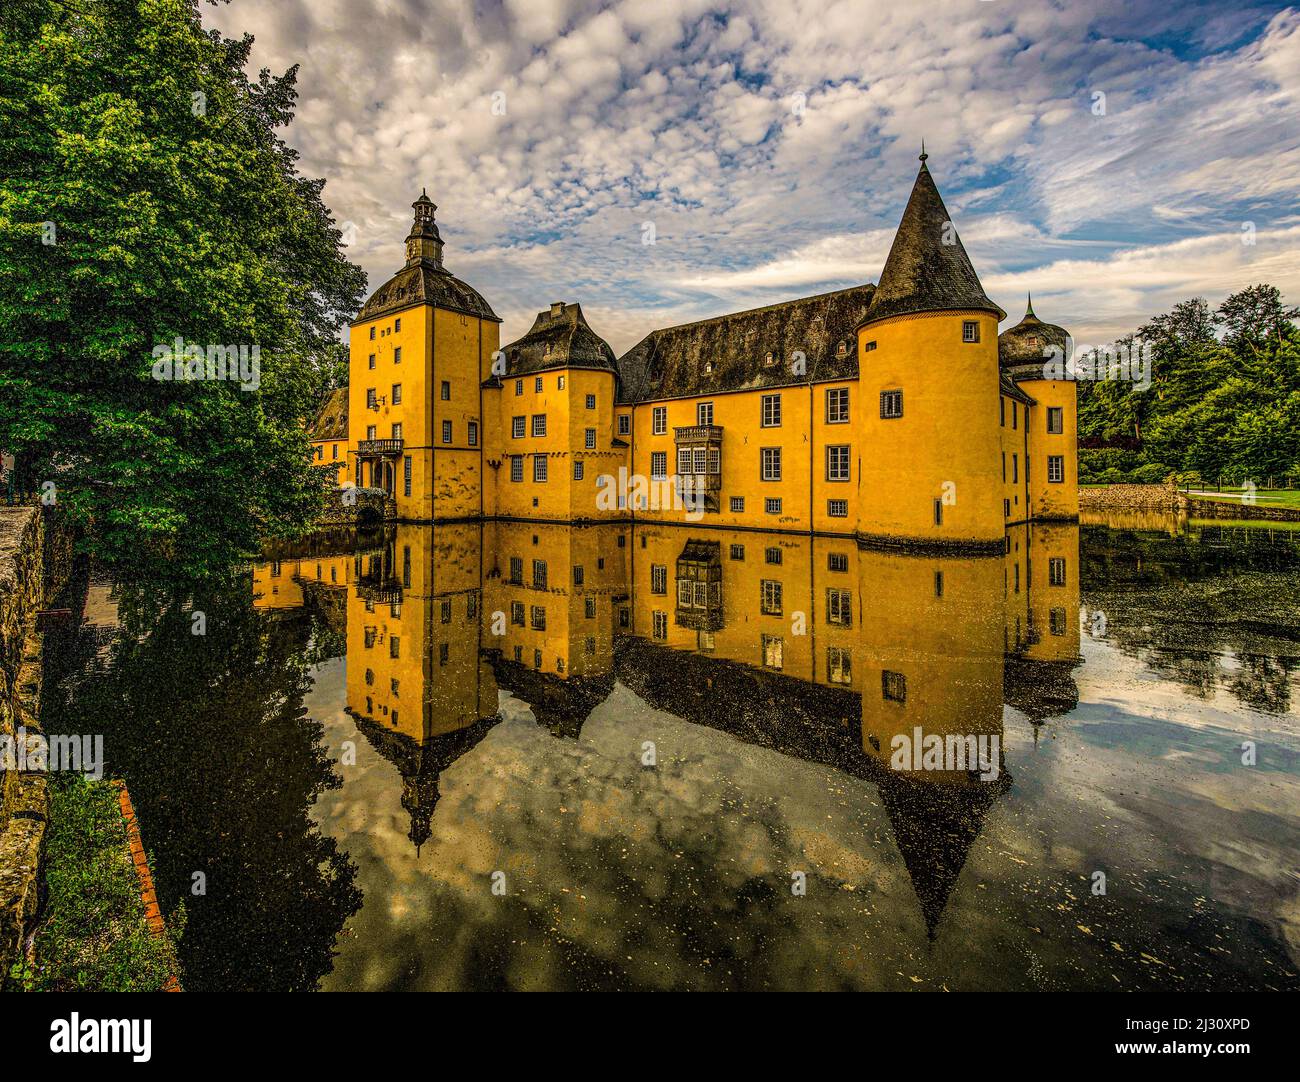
(678, 876)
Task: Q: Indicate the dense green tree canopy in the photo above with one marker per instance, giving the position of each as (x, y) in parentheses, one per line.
(146, 196)
(1219, 405)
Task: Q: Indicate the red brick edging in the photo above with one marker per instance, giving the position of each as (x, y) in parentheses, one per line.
(152, 914)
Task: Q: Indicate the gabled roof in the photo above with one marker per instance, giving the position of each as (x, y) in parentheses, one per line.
(558, 338)
(927, 269)
(331, 422)
(749, 350)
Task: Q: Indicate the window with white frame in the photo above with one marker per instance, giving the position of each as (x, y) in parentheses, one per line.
(591, 401)
(770, 597)
(839, 607)
(771, 412)
(658, 578)
(539, 424)
(1056, 571)
(837, 508)
(837, 406)
(658, 465)
(624, 424)
(579, 469)
(590, 439)
(772, 505)
(837, 462)
(839, 665)
(1056, 469)
(737, 504)
(516, 467)
(891, 404)
(659, 420)
(539, 467)
(704, 413)
(518, 427)
(771, 460)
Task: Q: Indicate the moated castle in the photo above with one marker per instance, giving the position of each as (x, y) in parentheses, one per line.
(893, 413)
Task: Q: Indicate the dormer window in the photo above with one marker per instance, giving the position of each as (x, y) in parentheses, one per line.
(708, 367)
(768, 360)
(842, 349)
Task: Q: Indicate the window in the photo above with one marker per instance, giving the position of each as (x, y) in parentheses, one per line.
(372, 334)
(336, 450)
(539, 574)
(1056, 621)
(893, 686)
(537, 617)
(559, 383)
(659, 622)
(396, 430)
(445, 611)
(537, 659)
(517, 613)
(539, 424)
(372, 432)
(589, 607)
(406, 475)
(577, 574)
(1002, 413)
(591, 401)
(685, 594)
(371, 401)
(446, 432)
(970, 331)
(659, 420)
(891, 404)
(771, 417)
(518, 427)
(472, 433)
(770, 598)
(773, 651)
(589, 439)
(1006, 508)
(738, 505)
(769, 359)
(516, 570)
(658, 578)
(658, 465)
(1056, 469)
(519, 386)
(837, 406)
(624, 424)
(867, 347)
(938, 512)
(837, 462)
(397, 355)
(771, 458)
(837, 508)
(1015, 469)
(516, 467)
(397, 394)
(1055, 420)
(372, 361)
(842, 348)
(445, 391)
(737, 552)
(839, 668)
(394, 646)
(704, 413)
(1056, 571)
(539, 467)
(537, 385)
(837, 561)
(839, 607)
(1015, 413)
(772, 556)
(772, 505)
(685, 460)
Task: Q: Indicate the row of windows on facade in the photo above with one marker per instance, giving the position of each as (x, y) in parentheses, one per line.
(372, 395)
(769, 413)
(448, 431)
(397, 326)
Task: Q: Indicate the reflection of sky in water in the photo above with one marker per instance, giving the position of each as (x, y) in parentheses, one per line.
(679, 876)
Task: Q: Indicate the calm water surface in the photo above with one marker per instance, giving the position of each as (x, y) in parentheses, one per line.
(530, 756)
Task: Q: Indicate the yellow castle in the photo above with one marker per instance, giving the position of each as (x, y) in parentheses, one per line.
(891, 413)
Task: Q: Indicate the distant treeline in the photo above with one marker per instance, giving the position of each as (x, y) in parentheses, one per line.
(1224, 400)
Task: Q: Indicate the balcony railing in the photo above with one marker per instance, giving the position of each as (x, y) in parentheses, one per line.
(698, 434)
(379, 447)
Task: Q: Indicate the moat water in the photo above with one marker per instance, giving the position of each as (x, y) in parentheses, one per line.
(534, 757)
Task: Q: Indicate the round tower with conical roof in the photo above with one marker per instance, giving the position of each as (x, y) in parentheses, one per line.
(928, 391)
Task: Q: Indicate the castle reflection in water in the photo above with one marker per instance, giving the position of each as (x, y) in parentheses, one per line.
(809, 645)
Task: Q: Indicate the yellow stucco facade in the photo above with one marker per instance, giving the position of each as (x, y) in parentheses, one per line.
(893, 413)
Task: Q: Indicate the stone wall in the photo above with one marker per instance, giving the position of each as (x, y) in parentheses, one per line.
(1223, 509)
(1128, 498)
(363, 506)
(34, 562)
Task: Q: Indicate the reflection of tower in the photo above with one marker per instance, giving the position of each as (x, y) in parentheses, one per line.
(552, 596)
(1039, 680)
(932, 681)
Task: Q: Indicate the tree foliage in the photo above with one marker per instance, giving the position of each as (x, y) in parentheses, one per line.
(145, 195)
(1220, 404)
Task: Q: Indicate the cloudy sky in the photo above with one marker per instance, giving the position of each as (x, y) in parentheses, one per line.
(1110, 155)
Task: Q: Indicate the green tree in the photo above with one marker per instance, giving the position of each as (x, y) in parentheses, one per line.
(145, 195)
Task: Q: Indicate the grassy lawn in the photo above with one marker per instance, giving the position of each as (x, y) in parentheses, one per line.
(94, 936)
(1288, 497)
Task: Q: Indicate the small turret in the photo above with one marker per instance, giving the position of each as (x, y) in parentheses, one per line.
(424, 243)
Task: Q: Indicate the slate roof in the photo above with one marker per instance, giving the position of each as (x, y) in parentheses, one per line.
(559, 338)
(423, 283)
(922, 272)
(331, 422)
(730, 353)
(1024, 343)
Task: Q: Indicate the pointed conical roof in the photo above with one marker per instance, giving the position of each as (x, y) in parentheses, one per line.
(927, 269)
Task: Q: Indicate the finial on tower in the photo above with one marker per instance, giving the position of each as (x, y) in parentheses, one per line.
(1029, 305)
(924, 155)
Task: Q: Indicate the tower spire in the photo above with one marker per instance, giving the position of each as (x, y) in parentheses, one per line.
(924, 155)
(1029, 305)
(424, 243)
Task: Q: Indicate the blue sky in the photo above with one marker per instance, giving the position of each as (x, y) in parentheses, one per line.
(772, 145)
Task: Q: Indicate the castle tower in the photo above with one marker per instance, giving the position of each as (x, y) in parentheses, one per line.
(1030, 353)
(420, 350)
(928, 390)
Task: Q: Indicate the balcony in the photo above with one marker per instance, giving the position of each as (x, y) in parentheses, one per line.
(701, 434)
(373, 448)
(699, 458)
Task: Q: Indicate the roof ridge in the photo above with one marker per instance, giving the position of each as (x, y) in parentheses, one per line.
(759, 308)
